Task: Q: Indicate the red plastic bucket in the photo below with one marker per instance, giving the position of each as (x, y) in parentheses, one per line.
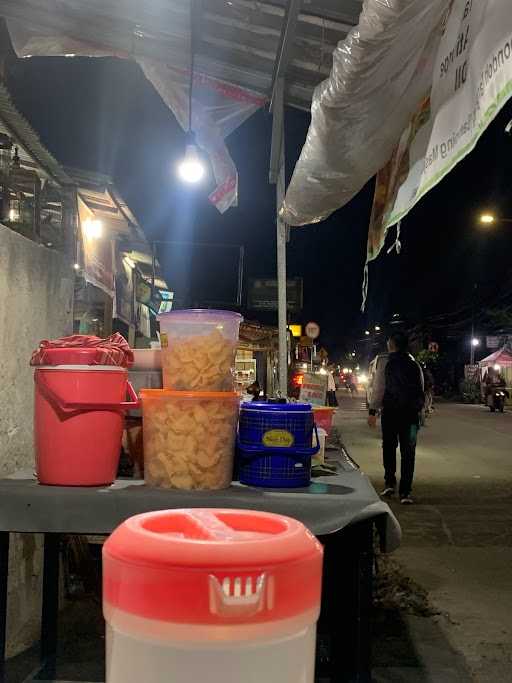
(323, 417)
(78, 423)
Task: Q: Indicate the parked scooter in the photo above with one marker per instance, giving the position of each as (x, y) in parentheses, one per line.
(496, 399)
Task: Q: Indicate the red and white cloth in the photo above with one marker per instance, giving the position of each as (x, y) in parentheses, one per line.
(113, 350)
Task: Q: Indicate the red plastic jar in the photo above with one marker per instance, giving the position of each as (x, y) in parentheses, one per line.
(218, 595)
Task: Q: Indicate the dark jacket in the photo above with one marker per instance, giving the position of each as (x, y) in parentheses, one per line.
(403, 395)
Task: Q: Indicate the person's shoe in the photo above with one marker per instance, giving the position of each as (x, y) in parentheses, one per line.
(406, 500)
(388, 492)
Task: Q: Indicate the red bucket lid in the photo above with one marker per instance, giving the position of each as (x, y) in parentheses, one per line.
(78, 356)
(206, 566)
(84, 350)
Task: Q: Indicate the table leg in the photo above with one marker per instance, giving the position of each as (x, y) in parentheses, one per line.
(347, 602)
(4, 575)
(50, 606)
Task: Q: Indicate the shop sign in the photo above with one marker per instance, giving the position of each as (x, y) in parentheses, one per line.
(263, 295)
(312, 330)
(472, 81)
(472, 373)
(314, 389)
(167, 301)
(147, 295)
(493, 342)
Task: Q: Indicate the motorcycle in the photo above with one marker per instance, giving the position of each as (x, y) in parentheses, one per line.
(496, 399)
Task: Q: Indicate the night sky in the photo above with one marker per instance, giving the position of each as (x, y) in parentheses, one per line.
(103, 115)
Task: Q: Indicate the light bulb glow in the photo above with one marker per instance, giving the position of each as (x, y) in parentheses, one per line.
(191, 168)
(497, 367)
(475, 342)
(93, 228)
(487, 218)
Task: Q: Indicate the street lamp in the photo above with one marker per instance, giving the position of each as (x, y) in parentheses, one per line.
(377, 328)
(490, 218)
(367, 333)
(474, 344)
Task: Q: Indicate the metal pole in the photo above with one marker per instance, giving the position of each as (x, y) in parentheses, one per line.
(472, 356)
(278, 138)
(241, 259)
(153, 268)
(282, 322)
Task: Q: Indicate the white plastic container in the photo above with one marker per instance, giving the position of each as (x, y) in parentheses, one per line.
(147, 359)
(223, 596)
(198, 349)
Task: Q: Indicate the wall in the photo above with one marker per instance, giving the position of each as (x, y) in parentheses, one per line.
(36, 295)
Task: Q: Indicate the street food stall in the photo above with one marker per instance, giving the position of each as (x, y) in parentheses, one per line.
(214, 65)
(500, 364)
(82, 391)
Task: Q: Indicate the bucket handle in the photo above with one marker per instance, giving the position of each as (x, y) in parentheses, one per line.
(74, 406)
(276, 450)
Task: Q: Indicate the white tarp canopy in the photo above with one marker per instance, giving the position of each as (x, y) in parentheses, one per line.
(238, 46)
(412, 89)
(380, 72)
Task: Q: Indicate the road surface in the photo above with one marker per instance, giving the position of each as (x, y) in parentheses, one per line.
(457, 538)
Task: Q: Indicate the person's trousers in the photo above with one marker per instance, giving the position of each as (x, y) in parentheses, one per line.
(397, 429)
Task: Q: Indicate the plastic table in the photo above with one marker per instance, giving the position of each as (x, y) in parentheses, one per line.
(341, 510)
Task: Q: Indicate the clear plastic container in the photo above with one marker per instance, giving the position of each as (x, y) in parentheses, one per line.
(319, 458)
(198, 349)
(211, 595)
(189, 438)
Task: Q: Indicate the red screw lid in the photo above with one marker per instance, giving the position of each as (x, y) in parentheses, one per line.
(205, 566)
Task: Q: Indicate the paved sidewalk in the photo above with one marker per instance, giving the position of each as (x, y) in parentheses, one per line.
(457, 541)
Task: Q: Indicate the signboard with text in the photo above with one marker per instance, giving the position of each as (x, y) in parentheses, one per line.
(314, 389)
(472, 81)
(493, 342)
(312, 330)
(263, 295)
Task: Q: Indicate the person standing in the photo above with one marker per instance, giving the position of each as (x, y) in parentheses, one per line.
(398, 391)
(332, 401)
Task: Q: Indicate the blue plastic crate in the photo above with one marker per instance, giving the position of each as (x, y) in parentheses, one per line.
(260, 419)
(275, 467)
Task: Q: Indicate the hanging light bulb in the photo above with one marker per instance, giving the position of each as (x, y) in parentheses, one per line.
(191, 168)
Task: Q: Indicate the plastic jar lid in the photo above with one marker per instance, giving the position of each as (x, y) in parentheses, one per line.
(196, 314)
(278, 407)
(206, 566)
(196, 395)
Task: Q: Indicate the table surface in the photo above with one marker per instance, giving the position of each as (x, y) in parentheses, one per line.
(328, 505)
